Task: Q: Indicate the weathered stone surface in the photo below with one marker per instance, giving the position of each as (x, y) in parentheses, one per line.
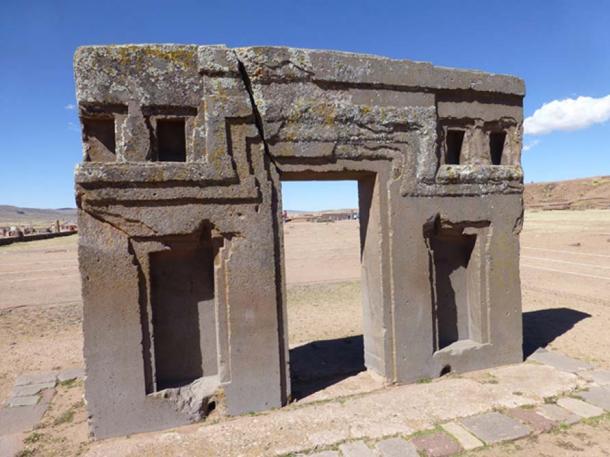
(159, 74)
(579, 407)
(37, 378)
(31, 389)
(598, 396)
(494, 427)
(559, 361)
(356, 449)
(23, 418)
(180, 217)
(26, 400)
(11, 445)
(396, 447)
(325, 454)
(557, 414)
(193, 399)
(373, 416)
(437, 445)
(601, 377)
(466, 439)
(70, 374)
(530, 417)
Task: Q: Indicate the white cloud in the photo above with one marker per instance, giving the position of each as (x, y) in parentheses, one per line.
(568, 114)
(73, 127)
(70, 107)
(530, 145)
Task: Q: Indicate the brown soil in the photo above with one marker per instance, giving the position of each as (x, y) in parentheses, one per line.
(63, 430)
(565, 270)
(588, 193)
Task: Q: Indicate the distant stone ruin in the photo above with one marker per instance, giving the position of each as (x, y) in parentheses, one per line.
(14, 233)
(180, 218)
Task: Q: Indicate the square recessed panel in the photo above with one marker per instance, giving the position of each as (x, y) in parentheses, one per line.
(171, 140)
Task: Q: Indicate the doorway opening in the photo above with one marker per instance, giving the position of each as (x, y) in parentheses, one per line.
(324, 230)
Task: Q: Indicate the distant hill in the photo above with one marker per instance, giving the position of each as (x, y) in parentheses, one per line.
(587, 193)
(14, 215)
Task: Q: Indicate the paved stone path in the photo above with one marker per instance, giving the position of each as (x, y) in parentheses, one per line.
(27, 404)
(590, 397)
(494, 427)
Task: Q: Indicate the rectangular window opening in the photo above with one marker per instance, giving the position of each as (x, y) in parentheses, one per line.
(454, 141)
(496, 146)
(99, 139)
(183, 316)
(324, 227)
(171, 140)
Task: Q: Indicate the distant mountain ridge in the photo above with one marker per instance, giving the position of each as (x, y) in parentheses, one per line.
(586, 193)
(16, 215)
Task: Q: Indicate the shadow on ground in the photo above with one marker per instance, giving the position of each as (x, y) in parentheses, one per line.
(319, 364)
(541, 327)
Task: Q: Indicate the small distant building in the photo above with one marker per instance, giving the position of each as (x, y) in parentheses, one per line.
(325, 216)
(15, 231)
(334, 216)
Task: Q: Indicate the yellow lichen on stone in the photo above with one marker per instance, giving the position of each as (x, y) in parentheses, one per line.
(326, 112)
(140, 55)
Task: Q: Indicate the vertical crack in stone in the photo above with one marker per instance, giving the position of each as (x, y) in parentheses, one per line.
(258, 121)
(274, 178)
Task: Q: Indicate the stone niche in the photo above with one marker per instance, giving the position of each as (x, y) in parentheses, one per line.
(181, 248)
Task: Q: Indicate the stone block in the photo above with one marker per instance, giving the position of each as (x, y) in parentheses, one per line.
(557, 414)
(437, 445)
(70, 374)
(559, 361)
(494, 427)
(23, 418)
(598, 396)
(601, 377)
(325, 454)
(31, 389)
(466, 439)
(11, 445)
(356, 449)
(39, 377)
(579, 407)
(29, 400)
(396, 447)
(530, 417)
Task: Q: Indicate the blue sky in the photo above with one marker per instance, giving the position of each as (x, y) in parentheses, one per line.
(560, 48)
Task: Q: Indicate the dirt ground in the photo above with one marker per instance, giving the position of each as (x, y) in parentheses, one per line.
(565, 273)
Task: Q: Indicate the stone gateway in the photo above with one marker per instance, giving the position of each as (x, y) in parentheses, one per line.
(180, 219)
